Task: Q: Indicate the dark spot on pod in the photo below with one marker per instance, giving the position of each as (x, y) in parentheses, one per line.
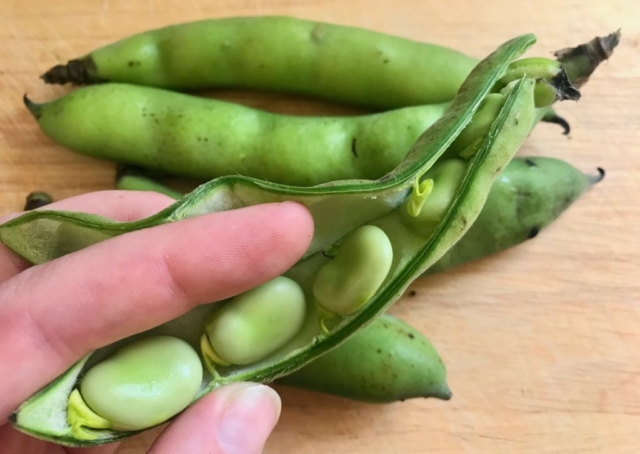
(533, 232)
(386, 60)
(413, 293)
(530, 163)
(498, 170)
(379, 350)
(353, 147)
(464, 220)
(411, 336)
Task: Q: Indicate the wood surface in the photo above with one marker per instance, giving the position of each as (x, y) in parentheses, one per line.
(541, 342)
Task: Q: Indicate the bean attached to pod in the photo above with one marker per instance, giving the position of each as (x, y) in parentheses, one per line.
(357, 270)
(435, 194)
(255, 324)
(143, 384)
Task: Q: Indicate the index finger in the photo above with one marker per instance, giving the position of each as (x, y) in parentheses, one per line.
(118, 205)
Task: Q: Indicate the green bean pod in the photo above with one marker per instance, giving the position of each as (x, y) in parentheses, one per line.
(388, 361)
(205, 138)
(277, 53)
(337, 208)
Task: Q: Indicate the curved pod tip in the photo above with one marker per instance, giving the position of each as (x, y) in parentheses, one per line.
(33, 107)
(598, 178)
(558, 120)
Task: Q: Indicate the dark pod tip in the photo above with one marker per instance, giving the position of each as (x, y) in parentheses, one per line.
(564, 89)
(37, 199)
(34, 107)
(79, 71)
(13, 418)
(558, 120)
(601, 174)
(581, 61)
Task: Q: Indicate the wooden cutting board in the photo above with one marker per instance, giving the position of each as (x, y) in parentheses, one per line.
(541, 342)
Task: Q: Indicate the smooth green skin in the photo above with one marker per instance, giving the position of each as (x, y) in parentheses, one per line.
(257, 323)
(447, 176)
(205, 138)
(276, 53)
(388, 361)
(528, 196)
(337, 208)
(356, 271)
(144, 383)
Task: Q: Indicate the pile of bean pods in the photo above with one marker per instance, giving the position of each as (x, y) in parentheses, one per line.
(428, 180)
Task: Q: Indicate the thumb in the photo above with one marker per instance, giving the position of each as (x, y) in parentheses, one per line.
(235, 419)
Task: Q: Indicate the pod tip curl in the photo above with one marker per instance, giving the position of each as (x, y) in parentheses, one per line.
(601, 174)
(33, 107)
(558, 120)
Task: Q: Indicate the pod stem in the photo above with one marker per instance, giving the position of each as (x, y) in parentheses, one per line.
(79, 71)
(581, 61)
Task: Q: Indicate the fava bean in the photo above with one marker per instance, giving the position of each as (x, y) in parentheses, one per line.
(141, 385)
(255, 324)
(357, 270)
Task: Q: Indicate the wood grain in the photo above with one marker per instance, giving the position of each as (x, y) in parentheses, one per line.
(541, 341)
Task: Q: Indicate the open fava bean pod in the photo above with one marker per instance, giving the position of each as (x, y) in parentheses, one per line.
(371, 240)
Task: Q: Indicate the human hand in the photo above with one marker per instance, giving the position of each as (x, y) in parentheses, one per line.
(55, 313)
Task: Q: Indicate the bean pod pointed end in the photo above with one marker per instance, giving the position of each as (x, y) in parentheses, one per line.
(37, 199)
(34, 107)
(558, 120)
(442, 392)
(598, 178)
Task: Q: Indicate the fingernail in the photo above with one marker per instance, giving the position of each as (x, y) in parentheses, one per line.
(251, 412)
